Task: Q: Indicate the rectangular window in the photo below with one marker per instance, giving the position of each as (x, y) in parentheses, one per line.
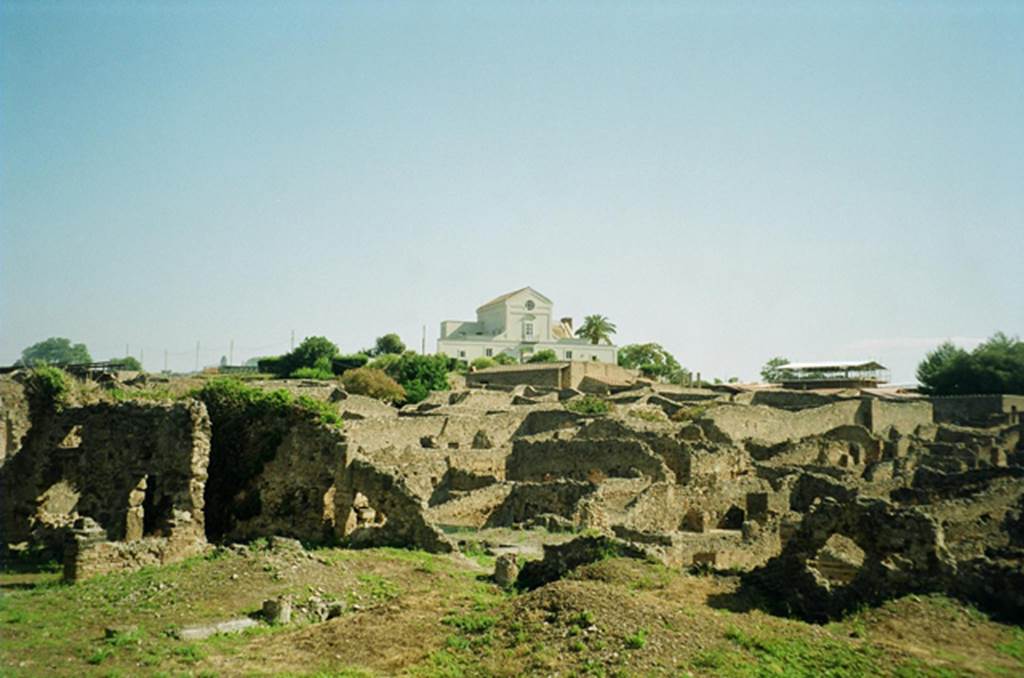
(462, 354)
(528, 329)
(568, 355)
(488, 352)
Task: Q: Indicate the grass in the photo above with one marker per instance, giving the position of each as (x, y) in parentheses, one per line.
(418, 614)
(589, 404)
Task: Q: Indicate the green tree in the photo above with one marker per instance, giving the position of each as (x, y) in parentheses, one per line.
(55, 351)
(127, 363)
(316, 353)
(543, 356)
(596, 328)
(995, 366)
(653, 361)
(417, 374)
(771, 373)
(389, 344)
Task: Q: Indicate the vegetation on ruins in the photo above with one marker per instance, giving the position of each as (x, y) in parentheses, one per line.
(312, 359)
(417, 374)
(771, 372)
(482, 363)
(589, 404)
(995, 366)
(505, 359)
(55, 351)
(596, 328)
(654, 362)
(546, 355)
(48, 387)
(372, 382)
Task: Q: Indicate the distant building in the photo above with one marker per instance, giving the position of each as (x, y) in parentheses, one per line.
(834, 374)
(518, 324)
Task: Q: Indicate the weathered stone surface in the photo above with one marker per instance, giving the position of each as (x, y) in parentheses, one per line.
(904, 553)
(277, 610)
(563, 558)
(205, 631)
(506, 570)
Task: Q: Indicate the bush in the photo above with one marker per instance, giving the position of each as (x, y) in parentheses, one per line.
(588, 404)
(482, 363)
(312, 373)
(372, 382)
(48, 387)
(417, 374)
(343, 363)
(505, 359)
(544, 356)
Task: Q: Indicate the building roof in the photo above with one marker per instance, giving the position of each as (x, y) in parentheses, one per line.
(524, 367)
(504, 297)
(834, 365)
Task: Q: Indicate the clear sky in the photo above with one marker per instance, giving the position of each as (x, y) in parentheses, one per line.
(734, 181)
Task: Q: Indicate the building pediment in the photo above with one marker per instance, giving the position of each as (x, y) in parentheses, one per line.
(522, 294)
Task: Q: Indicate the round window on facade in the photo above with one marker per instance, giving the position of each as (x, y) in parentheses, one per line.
(529, 305)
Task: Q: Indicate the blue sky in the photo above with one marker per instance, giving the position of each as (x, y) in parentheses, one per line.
(732, 180)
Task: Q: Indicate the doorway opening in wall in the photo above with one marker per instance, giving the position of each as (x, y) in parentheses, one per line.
(156, 510)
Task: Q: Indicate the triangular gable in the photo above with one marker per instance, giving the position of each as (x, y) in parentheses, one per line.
(506, 297)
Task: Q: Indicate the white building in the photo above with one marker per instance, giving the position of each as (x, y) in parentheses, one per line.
(518, 324)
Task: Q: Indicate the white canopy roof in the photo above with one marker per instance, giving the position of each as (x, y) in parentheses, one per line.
(835, 365)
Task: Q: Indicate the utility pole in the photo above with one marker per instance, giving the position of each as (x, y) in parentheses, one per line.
(231, 353)
(197, 356)
(423, 343)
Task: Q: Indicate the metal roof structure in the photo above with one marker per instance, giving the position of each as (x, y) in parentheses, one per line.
(834, 365)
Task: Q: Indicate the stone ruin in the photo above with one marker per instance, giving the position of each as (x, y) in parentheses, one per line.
(846, 499)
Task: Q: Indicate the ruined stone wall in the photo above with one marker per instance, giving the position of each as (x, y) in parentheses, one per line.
(977, 410)
(731, 422)
(136, 469)
(584, 459)
(14, 417)
(527, 501)
(903, 416)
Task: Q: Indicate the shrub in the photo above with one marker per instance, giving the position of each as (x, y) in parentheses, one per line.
(588, 404)
(372, 382)
(689, 413)
(312, 373)
(48, 386)
(505, 359)
(544, 356)
(417, 374)
(482, 363)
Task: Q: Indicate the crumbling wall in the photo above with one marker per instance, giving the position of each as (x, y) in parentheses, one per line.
(526, 501)
(904, 552)
(730, 422)
(14, 417)
(584, 459)
(903, 416)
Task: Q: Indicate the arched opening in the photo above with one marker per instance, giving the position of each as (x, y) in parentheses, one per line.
(732, 519)
(838, 560)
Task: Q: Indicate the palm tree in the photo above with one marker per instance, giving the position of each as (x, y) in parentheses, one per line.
(596, 328)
